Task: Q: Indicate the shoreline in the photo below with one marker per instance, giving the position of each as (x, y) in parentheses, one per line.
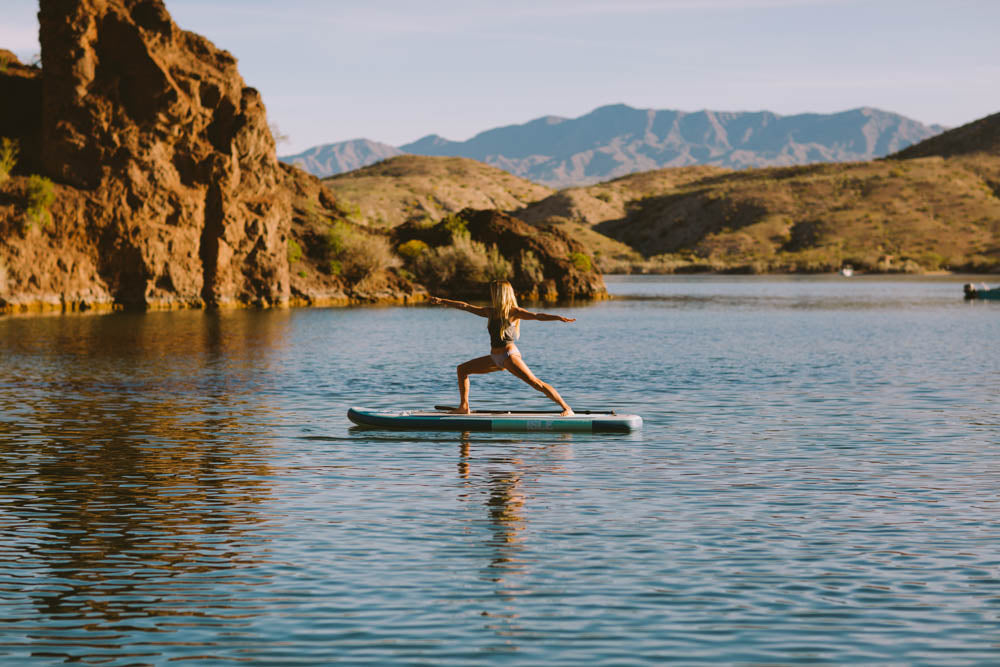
(56, 306)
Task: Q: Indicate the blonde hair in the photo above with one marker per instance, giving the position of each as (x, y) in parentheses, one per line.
(504, 302)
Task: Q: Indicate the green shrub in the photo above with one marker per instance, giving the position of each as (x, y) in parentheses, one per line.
(41, 194)
(464, 260)
(932, 260)
(8, 157)
(294, 251)
(497, 266)
(580, 261)
(412, 249)
(456, 225)
(335, 240)
(604, 197)
(530, 268)
(350, 210)
(364, 255)
(354, 254)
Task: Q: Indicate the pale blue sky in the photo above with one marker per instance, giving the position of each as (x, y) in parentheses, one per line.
(396, 70)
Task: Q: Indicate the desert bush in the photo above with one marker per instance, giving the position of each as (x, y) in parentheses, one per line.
(932, 261)
(350, 210)
(334, 244)
(604, 197)
(412, 249)
(530, 268)
(456, 225)
(294, 251)
(423, 221)
(8, 157)
(580, 261)
(666, 263)
(41, 193)
(364, 255)
(463, 260)
(497, 266)
(355, 255)
(619, 265)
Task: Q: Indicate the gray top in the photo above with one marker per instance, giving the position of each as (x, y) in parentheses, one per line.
(498, 337)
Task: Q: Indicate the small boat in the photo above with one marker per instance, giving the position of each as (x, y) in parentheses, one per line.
(847, 270)
(981, 292)
(441, 419)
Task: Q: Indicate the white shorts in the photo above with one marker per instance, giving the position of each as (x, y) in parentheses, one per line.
(500, 358)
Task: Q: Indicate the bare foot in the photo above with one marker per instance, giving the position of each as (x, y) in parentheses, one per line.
(568, 412)
(460, 410)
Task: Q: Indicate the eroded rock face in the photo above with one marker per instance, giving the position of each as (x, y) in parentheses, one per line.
(167, 190)
(165, 167)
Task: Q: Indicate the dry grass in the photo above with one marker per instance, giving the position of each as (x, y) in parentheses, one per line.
(411, 187)
(916, 215)
(464, 261)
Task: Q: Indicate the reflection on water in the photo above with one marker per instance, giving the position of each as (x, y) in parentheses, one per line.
(118, 512)
(815, 481)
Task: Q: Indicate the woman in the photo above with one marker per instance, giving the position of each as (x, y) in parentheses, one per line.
(504, 324)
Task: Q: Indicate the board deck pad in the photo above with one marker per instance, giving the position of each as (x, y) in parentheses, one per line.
(441, 419)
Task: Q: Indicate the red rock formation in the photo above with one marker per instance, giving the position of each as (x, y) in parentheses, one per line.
(169, 189)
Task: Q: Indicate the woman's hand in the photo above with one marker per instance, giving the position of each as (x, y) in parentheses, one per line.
(434, 301)
(567, 319)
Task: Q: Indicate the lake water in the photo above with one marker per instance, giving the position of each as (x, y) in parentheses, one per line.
(816, 481)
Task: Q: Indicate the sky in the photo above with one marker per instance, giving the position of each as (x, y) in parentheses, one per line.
(397, 70)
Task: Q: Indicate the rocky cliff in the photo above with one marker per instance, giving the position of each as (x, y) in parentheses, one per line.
(165, 189)
(168, 191)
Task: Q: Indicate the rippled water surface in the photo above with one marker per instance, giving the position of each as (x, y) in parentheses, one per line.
(817, 480)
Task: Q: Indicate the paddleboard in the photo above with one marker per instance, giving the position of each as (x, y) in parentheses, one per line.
(440, 419)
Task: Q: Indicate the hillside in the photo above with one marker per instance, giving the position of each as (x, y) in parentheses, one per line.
(617, 140)
(980, 136)
(915, 215)
(408, 187)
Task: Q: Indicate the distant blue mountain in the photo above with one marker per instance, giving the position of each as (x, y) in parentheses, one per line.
(342, 156)
(615, 140)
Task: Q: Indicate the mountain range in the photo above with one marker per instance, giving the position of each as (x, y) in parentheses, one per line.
(617, 140)
(934, 206)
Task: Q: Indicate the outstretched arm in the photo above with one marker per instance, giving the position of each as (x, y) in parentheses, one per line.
(523, 314)
(482, 311)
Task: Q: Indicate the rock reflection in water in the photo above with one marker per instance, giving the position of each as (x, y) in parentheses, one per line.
(133, 485)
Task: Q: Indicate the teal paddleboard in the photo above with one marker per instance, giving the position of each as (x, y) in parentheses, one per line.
(441, 419)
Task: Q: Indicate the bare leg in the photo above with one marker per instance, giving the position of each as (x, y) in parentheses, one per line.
(472, 367)
(517, 366)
